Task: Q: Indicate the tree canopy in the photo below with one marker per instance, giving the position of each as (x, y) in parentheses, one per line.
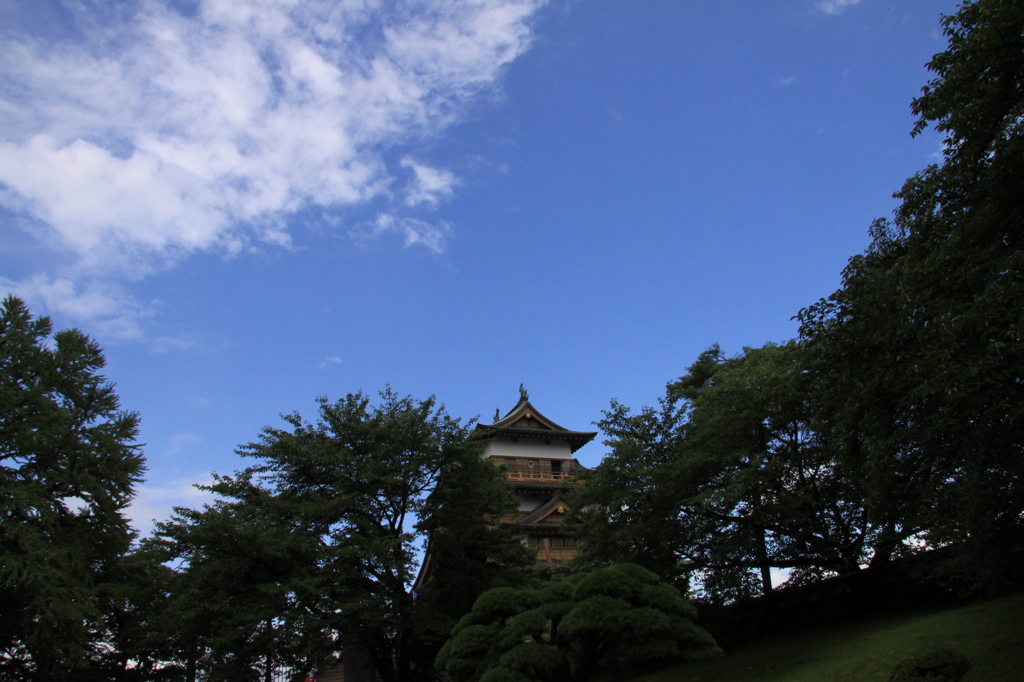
(313, 549)
(895, 423)
(68, 466)
(609, 619)
(920, 354)
(726, 480)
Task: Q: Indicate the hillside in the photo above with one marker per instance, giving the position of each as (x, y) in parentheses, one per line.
(989, 633)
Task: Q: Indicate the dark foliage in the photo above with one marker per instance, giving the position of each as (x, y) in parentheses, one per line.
(897, 421)
(919, 358)
(67, 471)
(728, 479)
(313, 549)
(938, 664)
(609, 619)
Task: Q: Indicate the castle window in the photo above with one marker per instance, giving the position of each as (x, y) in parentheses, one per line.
(556, 466)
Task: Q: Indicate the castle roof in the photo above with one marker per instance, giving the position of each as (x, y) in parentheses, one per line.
(526, 421)
(556, 505)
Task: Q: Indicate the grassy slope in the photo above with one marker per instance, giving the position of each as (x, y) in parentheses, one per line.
(991, 634)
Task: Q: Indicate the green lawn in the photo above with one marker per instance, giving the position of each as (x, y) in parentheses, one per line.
(991, 634)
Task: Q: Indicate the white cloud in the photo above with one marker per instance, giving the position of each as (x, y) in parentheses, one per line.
(429, 185)
(157, 502)
(413, 232)
(834, 6)
(107, 307)
(181, 441)
(196, 343)
(160, 135)
(74, 504)
(780, 575)
(330, 362)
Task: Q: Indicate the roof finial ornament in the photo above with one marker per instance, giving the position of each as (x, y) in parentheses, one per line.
(497, 415)
(523, 395)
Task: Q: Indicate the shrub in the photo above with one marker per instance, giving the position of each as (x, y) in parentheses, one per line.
(938, 664)
(613, 618)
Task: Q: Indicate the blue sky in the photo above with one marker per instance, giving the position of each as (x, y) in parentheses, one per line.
(253, 203)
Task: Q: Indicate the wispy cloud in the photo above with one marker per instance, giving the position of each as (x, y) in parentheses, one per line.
(414, 232)
(182, 441)
(157, 502)
(332, 361)
(835, 6)
(429, 185)
(155, 134)
(191, 342)
(107, 307)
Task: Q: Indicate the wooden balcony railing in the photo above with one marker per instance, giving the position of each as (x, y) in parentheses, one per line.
(537, 476)
(525, 469)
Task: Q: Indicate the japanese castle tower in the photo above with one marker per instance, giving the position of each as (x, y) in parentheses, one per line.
(539, 456)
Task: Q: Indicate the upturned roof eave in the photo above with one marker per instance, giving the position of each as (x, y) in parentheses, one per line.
(534, 431)
(576, 439)
(506, 427)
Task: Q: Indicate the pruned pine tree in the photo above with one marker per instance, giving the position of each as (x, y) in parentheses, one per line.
(611, 619)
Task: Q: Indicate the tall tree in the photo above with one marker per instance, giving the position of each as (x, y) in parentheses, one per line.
(469, 549)
(68, 466)
(766, 477)
(627, 508)
(142, 646)
(325, 530)
(233, 612)
(922, 349)
(730, 476)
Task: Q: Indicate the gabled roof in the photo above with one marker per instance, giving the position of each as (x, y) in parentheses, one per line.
(525, 421)
(556, 505)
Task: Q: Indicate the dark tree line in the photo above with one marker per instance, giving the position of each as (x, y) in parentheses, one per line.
(933, 312)
(310, 550)
(728, 478)
(895, 423)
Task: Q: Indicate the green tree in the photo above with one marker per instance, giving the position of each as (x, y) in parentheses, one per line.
(727, 478)
(142, 643)
(68, 466)
(627, 508)
(920, 354)
(234, 610)
(469, 550)
(320, 539)
(612, 618)
(765, 478)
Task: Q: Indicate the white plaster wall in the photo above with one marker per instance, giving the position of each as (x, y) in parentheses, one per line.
(528, 504)
(528, 447)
